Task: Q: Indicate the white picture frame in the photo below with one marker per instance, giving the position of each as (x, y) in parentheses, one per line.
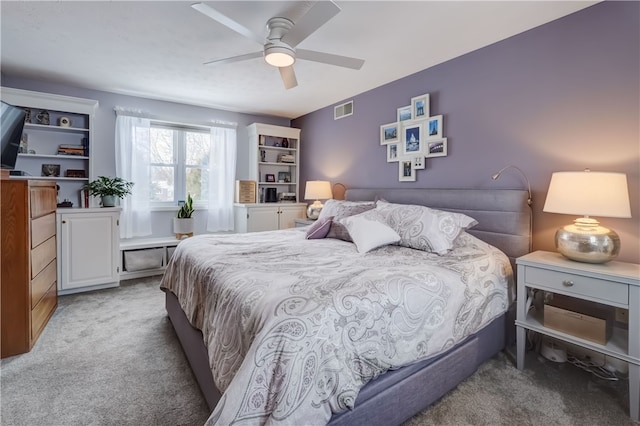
(420, 107)
(389, 133)
(418, 162)
(436, 148)
(392, 152)
(412, 138)
(433, 127)
(405, 113)
(406, 172)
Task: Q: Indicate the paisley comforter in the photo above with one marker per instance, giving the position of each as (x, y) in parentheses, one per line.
(294, 327)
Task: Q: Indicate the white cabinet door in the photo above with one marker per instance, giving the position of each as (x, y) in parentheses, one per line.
(262, 219)
(89, 247)
(288, 216)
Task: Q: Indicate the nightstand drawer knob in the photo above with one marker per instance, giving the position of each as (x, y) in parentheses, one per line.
(567, 283)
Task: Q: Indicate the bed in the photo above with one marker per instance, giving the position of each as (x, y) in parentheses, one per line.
(390, 378)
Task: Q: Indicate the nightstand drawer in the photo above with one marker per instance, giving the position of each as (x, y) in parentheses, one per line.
(577, 284)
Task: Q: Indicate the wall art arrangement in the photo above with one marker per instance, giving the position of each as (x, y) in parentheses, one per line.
(413, 137)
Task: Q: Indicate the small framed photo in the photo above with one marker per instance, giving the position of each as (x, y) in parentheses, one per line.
(420, 107)
(418, 162)
(436, 148)
(388, 133)
(412, 139)
(284, 177)
(270, 177)
(392, 152)
(406, 172)
(434, 127)
(51, 170)
(404, 113)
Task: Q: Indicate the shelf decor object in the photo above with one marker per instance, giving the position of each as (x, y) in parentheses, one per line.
(590, 194)
(316, 190)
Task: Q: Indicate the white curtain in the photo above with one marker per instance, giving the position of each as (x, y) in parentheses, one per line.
(132, 164)
(222, 170)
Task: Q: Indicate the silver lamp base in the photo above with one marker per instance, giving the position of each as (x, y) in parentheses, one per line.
(313, 211)
(588, 242)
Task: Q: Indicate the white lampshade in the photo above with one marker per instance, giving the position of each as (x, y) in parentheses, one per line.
(588, 193)
(317, 190)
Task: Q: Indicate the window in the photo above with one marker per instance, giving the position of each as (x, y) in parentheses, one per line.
(179, 164)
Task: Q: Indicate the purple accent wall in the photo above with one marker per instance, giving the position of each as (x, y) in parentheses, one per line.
(560, 97)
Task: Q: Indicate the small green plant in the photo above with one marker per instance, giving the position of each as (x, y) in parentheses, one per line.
(186, 210)
(107, 186)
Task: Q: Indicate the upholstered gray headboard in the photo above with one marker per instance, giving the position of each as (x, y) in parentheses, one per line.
(503, 215)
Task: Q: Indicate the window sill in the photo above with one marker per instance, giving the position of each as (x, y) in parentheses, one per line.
(173, 208)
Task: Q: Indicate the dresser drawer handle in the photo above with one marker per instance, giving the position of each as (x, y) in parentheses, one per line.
(567, 283)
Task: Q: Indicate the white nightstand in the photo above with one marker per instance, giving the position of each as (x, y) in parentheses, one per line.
(304, 222)
(613, 283)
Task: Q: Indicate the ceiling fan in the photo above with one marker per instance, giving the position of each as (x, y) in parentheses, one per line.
(284, 35)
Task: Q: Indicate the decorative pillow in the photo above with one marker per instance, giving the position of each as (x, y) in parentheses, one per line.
(423, 228)
(368, 231)
(319, 229)
(345, 209)
(331, 206)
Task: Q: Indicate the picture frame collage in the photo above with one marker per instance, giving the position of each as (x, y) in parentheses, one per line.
(413, 137)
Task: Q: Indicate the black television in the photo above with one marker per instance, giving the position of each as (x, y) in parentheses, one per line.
(11, 127)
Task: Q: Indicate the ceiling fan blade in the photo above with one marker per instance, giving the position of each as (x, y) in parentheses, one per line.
(227, 22)
(235, 58)
(329, 58)
(288, 77)
(315, 17)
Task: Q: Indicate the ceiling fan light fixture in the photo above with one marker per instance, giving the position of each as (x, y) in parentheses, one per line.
(279, 56)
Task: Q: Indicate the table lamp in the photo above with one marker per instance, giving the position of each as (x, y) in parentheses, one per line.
(590, 194)
(316, 190)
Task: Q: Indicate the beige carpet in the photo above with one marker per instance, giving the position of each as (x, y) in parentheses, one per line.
(111, 357)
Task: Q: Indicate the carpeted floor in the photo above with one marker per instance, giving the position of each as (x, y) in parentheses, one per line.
(111, 357)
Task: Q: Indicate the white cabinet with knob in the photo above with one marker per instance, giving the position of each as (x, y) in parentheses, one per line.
(267, 217)
(88, 249)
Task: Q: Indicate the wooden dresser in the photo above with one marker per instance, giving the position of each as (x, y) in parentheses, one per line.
(28, 285)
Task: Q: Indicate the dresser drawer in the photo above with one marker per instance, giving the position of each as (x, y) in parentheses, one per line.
(43, 311)
(41, 283)
(579, 285)
(42, 255)
(42, 198)
(42, 229)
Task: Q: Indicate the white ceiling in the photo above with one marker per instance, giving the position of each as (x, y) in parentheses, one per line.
(156, 49)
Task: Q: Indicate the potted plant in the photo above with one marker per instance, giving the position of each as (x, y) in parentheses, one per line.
(183, 223)
(108, 189)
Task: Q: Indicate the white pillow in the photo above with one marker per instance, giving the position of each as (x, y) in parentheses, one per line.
(369, 232)
(423, 228)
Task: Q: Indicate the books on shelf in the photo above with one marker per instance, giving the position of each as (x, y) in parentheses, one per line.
(71, 150)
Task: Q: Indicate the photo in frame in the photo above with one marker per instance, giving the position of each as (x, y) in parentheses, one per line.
(51, 170)
(420, 107)
(388, 133)
(284, 177)
(434, 127)
(436, 148)
(412, 139)
(392, 152)
(404, 113)
(269, 177)
(406, 172)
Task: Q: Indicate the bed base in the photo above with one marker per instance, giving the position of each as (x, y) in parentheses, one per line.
(390, 399)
